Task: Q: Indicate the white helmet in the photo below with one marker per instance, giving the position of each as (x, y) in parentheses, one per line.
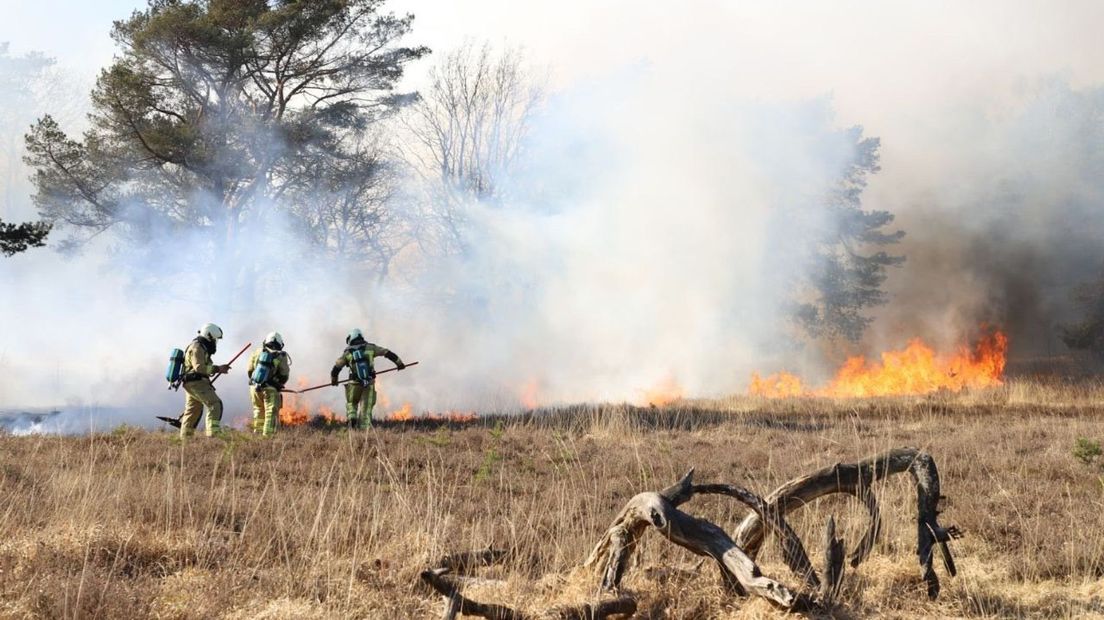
(211, 332)
(353, 335)
(274, 341)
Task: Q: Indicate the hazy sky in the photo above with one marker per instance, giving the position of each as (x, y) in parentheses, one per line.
(74, 31)
(897, 68)
(855, 50)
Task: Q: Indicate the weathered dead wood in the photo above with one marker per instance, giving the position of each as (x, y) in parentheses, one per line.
(458, 603)
(659, 510)
(441, 580)
(873, 530)
(833, 563)
(452, 607)
(621, 606)
(857, 479)
(738, 569)
(793, 551)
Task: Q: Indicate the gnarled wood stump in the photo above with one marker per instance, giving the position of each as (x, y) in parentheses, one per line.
(735, 556)
(443, 580)
(660, 510)
(858, 479)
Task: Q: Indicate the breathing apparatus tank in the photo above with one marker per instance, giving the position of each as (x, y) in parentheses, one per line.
(174, 374)
(263, 371)
(362, 368)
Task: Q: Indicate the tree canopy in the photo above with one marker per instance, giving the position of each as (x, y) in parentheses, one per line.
(465, 136)
(216, 112)
(846, 264)
(16, 238)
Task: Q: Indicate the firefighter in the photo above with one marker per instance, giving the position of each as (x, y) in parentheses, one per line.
(360, 391)
(269, 369)
(200, 394)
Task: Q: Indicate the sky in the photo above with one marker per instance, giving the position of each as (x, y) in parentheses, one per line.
(906, 53)
(890, 66)
(76, 33)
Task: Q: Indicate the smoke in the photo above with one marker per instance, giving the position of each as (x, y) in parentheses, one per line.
(649, 236)
(629, 259)
(95, 328)
(1009, 224)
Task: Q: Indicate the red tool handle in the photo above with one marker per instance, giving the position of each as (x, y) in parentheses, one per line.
(232, 360)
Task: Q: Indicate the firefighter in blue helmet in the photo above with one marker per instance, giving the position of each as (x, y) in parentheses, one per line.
(360, 392)
(269, 370)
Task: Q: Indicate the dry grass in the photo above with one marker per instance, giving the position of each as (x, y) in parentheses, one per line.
(330, 524)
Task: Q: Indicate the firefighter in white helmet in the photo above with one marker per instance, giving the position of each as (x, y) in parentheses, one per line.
(360, 391)
(269, 370)
(200, 394)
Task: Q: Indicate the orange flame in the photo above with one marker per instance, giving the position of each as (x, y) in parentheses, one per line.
(666, 392)
(296, 410)
(406, 414)
(916, 369)
(529, 394)
(778, 385)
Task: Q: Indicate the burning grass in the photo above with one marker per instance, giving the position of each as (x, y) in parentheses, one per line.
(300, 410)
(337, 524)
(915, 369)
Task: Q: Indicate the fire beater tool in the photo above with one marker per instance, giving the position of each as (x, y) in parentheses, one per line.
(175, 422)
(328, 384)
(232, 360)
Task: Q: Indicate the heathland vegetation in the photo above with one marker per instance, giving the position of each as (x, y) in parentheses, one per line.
(325, 523)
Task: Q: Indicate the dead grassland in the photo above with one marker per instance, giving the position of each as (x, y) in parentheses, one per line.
(325, 524)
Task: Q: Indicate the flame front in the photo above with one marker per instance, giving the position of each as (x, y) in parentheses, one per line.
(529, 392)
(778, 385)
(406, 414)
(916, 369)
(296, 411)
(662, 394)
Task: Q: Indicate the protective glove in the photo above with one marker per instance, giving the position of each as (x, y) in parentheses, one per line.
(225, 368)
(333, 380)
(400, 365)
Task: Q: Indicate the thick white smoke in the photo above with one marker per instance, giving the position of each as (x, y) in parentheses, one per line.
(659, 257)
(654, 251)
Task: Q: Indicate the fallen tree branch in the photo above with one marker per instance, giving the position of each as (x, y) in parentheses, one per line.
(621, 606)
(833, 564)
(857, 479)
(793, 551)
(660, 510)
(734, 556)
(458, 604)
